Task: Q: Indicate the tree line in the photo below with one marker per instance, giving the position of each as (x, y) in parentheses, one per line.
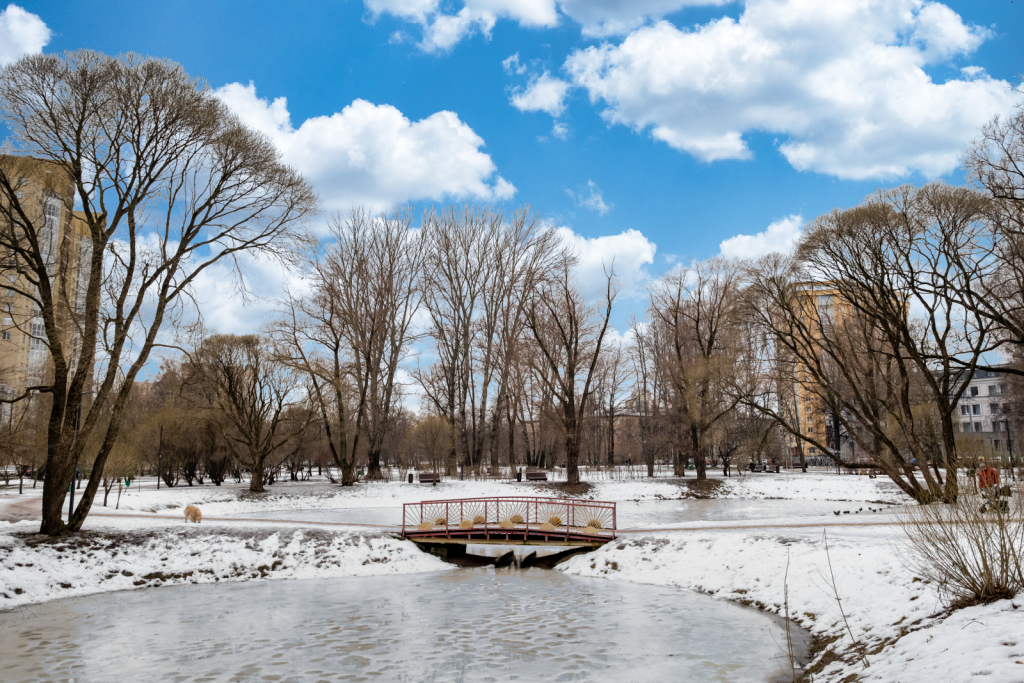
(877, 320)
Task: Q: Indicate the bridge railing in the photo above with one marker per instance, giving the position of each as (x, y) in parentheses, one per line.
(519, 511)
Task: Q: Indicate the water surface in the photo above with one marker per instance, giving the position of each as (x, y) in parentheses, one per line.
(460, 625)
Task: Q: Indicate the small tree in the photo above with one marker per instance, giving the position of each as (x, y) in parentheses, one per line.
(243, 383)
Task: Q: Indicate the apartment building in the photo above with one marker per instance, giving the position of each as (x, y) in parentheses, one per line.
(46, 196)
(984, 409)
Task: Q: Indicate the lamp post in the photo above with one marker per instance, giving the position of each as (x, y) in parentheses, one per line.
(1009, 447)
(159, 454)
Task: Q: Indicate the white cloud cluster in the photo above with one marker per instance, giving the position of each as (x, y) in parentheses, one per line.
(779, 237)
(592, 198)
(844, 83)
(442, 31)
(602, 18)
(21, 33)
(373, 155)
(543, 93)
(629, 252)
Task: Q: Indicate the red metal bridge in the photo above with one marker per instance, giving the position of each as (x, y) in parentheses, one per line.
(513, 520)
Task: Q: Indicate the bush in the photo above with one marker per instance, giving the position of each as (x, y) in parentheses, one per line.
(970, 549)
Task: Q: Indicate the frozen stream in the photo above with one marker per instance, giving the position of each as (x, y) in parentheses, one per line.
(460, 625)
(631, 514)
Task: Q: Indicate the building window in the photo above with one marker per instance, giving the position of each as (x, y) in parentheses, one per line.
(37, 342)
(997, 426)
(965, 410)
(977, 426)
(991, 389)
(995, 444)
(993, 408)
(1002, 388)
(976, 410)
(974, 391)
(6, 335)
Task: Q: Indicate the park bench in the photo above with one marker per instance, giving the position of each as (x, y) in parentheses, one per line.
(429, 478)
(536, 476)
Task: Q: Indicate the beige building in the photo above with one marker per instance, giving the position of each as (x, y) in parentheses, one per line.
(818, 302)
(46, 196)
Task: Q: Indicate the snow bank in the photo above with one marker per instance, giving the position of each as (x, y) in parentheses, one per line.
(35, 569)
(896, 616)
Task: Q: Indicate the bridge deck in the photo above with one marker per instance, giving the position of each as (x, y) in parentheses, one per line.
(512, 520)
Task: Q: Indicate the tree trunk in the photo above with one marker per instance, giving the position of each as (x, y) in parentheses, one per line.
(256, 481)
(699, 460)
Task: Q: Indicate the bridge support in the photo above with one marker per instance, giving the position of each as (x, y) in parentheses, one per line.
(444, 551)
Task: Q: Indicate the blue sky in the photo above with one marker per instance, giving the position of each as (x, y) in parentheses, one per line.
(664, 126)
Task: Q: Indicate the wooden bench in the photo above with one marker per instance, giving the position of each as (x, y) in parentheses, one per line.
(536, 476)
(429, 478)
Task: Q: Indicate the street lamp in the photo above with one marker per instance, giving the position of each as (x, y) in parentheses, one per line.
(1009, 447)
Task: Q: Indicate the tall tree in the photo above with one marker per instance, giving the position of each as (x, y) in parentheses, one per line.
(868, 320)
(170, 183)
(569, 334)
(697, 309)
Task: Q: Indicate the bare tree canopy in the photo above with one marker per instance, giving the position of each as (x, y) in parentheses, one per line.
(169, 183)
(866, 322)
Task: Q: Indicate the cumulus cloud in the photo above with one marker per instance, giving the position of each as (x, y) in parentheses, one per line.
(630, 252)
(543, 93)
(443, 30)
(843, 83)
(21, 33)
(560, 130)
(779, 237)
(602, 18)
(373, 155)
(591, 198)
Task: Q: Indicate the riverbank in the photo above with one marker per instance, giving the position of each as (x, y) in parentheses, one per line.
(898, 620)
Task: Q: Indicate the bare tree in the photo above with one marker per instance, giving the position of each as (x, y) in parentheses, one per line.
(697, 309)
(257, 396)
(170, 182)
(868, 323)
(569, 333)
(995, 164)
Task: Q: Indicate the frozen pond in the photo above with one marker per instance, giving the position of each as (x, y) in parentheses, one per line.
(631, 515)
(461, 625)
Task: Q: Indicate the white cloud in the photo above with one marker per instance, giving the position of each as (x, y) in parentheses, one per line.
(373, 155)
(543, 93)
(442, 31)
(592, 198)
(512, 65)
(560, 130)
(21, 33)
(779, 237)
(602, 18)
(842, 82)
(630, 252)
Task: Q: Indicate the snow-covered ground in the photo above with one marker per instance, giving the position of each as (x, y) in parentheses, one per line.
(898, 619)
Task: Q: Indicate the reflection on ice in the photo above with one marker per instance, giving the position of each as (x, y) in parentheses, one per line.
(462, 625)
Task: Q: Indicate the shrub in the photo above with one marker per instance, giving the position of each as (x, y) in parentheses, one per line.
(970, 549)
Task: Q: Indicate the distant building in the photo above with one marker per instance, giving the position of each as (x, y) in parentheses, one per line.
(46, 194)
(984, 408)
